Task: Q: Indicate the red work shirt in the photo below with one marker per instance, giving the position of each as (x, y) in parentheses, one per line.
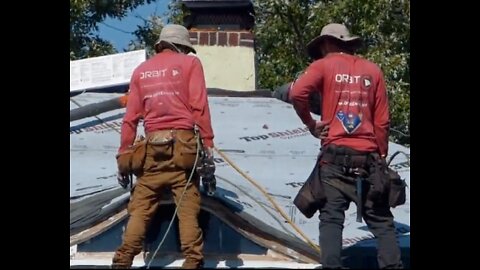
(354, 101)
(168, 91)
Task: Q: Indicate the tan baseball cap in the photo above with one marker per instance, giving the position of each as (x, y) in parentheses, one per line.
(337, 31)
(174, 34)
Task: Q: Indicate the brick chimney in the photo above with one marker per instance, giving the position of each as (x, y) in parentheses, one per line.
(221, 32)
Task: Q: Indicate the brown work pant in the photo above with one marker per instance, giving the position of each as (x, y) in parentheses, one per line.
(161, 172)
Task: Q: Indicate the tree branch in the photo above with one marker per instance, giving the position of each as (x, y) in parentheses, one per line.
(288, 16)
(297, 32)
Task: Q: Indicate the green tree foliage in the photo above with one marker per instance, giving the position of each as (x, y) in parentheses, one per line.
(283, 28)
(85, 15)
(84, 18)
(147, 34)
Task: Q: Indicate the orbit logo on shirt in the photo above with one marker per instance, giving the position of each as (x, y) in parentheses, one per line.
(152, 73)
(366, 82)
(175, 73)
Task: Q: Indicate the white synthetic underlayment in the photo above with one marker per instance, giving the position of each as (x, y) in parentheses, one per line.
(262, 136)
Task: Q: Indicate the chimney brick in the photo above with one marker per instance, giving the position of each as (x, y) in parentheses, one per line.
(213, 38)
(194, 38)
(233, 39)
(222, 38)
(203, 40)
(246, 35)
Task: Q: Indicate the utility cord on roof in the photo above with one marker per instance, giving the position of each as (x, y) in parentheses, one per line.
(395, 154)
(260, 204)
(264, 192)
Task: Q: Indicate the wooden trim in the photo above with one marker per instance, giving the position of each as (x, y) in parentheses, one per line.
(240, 225)
(270, 256)
(98, 228)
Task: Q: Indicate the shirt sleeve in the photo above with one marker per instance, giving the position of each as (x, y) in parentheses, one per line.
(301, 89)
(381, 117)
(132, 115)
(199, 102)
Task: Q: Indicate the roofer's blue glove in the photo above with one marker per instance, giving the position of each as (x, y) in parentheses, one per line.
(124, 179)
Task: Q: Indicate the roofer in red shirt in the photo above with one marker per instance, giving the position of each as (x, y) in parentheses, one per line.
(168, 91)
(354, 138)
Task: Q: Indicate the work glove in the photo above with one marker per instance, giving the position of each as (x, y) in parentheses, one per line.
(206, 170)
(124, 179)
(207, 166)
(318, 129)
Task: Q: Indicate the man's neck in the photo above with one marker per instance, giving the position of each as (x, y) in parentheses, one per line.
(338, 52)
(168, 50)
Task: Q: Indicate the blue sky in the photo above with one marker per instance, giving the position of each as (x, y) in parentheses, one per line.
(119, 31)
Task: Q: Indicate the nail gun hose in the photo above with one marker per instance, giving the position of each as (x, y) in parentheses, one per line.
(97, 108)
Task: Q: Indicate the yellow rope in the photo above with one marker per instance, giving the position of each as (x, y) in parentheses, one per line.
(269, 198)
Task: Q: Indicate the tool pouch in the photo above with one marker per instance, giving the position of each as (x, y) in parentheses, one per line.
(311, 196)
(139, 152)
(132, 160)
(397, 192)
(378, 178)
(161, 145)
(185, 150)
(124, 166)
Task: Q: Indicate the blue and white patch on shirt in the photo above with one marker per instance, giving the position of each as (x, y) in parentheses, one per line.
(350, 121)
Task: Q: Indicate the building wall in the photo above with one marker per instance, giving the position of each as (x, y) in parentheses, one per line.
(228, 58)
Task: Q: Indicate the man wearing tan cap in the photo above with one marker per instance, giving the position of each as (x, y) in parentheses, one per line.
(168, 91)
(354, 138)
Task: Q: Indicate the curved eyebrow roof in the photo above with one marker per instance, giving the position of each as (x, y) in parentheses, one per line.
(261, 135)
